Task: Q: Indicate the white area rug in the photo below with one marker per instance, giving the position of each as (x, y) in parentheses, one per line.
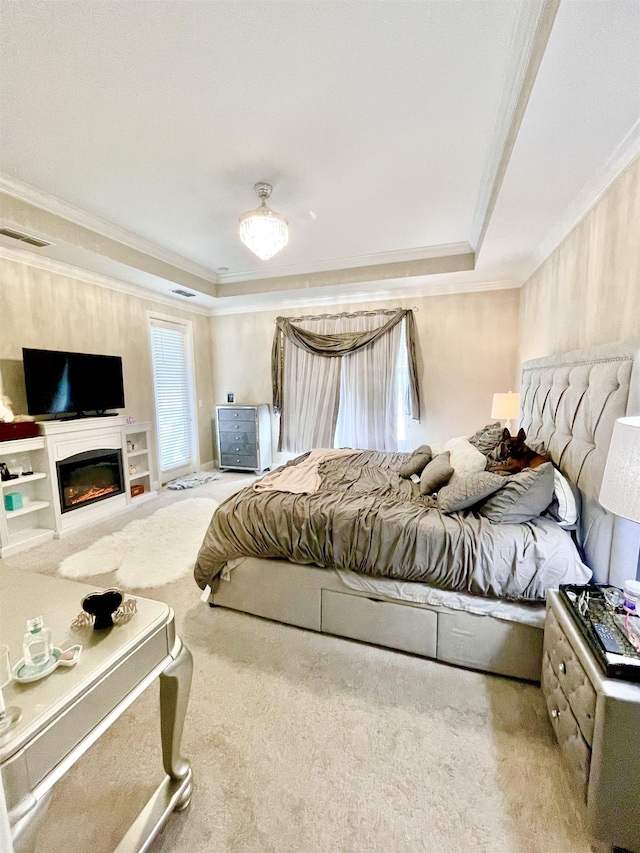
(150, 551)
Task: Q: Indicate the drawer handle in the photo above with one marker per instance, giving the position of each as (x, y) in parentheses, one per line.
(235, 415)
(555, 713)
(562, 668)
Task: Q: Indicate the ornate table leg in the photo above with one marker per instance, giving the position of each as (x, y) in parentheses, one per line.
(175, 684)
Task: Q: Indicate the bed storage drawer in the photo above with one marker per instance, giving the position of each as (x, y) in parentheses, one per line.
(269, 593)
(397, 626)
(492, 645)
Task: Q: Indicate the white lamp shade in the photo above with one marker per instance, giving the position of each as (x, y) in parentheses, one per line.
(506, 407)
(620, 489)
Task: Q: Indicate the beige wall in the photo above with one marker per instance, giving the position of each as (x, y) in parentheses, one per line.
(588, 291)
(467, 350)
(50, 311)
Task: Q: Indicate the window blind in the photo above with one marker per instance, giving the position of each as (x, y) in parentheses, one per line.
(171, 386)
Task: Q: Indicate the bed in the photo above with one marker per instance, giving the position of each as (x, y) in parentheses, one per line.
(569, 404)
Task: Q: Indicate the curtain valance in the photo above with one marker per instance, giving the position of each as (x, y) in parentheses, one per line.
(339, 344)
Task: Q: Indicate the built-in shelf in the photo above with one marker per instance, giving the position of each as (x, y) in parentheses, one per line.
(139, 474)
(26, 537)
(136, 452)
(29, 478)
(30, 506)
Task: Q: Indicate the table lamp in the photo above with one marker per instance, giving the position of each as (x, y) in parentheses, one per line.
(505, 407)
(620, 493)
(620, 489)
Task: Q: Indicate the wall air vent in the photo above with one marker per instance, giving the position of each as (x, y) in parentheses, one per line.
(183, 293)
(24, 238)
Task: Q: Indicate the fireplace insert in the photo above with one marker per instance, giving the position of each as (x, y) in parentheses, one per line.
(89, 477)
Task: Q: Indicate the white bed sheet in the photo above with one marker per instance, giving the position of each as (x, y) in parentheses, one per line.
(420, 593)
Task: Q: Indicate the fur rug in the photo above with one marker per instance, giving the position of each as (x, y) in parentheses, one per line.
(148, 552)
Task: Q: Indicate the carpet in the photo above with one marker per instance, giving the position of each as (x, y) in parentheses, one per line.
(306, 743)
(148, 552)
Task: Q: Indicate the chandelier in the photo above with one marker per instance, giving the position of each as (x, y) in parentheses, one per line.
(264, 231)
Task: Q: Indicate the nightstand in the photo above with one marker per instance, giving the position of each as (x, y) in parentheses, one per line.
(597, 724)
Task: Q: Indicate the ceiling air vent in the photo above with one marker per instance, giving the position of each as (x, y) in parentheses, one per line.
(24, 238)
(183, 293)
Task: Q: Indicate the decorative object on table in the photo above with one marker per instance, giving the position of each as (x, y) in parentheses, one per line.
(27, 466)
(37, 644)
(133, 469)
(506, 407)
(13, 501)
(123, 614)
(102, 606)
(24, 674)
(130, 419)
(605, 629)
(9, 716)
(130, 447)
(148, 552)
(137, 489)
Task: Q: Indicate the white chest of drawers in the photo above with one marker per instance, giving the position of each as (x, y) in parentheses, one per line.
(597, 723)
(243, 436)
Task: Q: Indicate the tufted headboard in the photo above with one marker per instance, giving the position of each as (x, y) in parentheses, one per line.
(570, 403)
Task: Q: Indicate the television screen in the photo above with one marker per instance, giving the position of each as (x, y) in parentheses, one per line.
(71, 382)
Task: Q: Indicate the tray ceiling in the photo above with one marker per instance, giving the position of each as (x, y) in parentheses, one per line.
(380, 125)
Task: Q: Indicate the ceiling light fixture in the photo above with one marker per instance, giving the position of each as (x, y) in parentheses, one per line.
(264, 231)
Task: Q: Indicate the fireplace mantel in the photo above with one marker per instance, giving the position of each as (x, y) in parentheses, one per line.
(67, 438)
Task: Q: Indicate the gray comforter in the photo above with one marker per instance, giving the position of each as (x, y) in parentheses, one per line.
(366, 518)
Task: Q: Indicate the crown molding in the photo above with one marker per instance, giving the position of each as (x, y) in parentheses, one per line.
(625, 152)
(69, 271)
(440, 288)
(56, 206)
(527, 47)
(398, 256)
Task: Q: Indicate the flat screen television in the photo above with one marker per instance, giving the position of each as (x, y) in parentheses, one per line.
(72, 382)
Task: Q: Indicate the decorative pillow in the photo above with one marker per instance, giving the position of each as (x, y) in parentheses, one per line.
(465, 458)
(463, 492)
(416, 462)
(436, 474)
(487, 438)
(565, 506)
(524, 496)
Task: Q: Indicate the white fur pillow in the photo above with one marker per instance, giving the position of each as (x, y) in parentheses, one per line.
(465, 458)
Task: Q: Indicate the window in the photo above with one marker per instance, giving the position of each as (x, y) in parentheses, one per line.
(172, 385)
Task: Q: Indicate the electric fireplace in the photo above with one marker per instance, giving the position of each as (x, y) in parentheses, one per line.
(89, 477)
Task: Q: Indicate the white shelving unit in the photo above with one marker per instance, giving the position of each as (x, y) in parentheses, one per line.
(34, 523)
(140, 458)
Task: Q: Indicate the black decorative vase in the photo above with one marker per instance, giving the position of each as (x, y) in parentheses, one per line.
(102, 605)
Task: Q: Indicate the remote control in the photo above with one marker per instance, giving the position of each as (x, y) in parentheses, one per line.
(607, 639)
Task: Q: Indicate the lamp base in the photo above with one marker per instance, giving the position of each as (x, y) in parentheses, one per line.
(508, 425)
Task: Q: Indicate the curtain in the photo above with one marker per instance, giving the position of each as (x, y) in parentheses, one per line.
(311, 394)
(323, 364)
(368, 413)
